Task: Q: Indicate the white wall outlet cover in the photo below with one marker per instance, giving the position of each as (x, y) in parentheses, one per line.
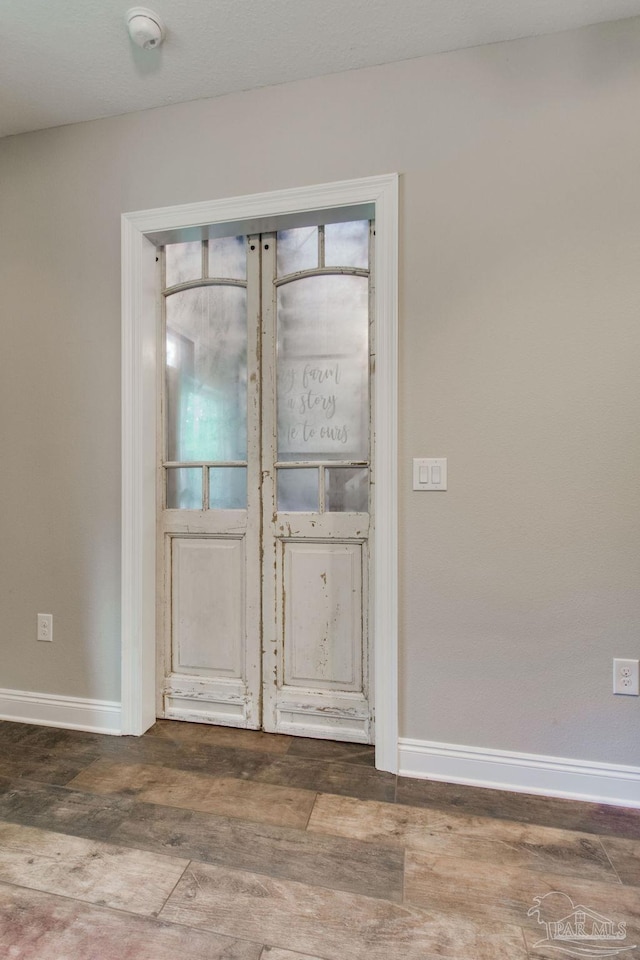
(45, 626)
(626, 677)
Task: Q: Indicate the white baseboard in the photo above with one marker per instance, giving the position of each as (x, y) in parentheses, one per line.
(74, 713)
(520, 772)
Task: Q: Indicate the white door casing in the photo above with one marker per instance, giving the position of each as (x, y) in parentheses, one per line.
(140, 355)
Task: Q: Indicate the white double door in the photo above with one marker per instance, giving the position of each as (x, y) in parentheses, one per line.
(264, 476)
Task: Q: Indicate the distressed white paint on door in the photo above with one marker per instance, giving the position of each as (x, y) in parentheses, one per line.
(209, 485)
(207, 602)
(323, 636)
(317, 354)
(302, 492)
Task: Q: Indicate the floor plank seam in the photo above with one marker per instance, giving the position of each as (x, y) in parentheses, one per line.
(173, 889)
(608, 856)
(313, 806)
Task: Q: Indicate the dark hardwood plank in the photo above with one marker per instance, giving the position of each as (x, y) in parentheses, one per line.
(89, 870)
(453, 885)
(342, 778)
(438, 832)
(225, 796)
(41, 926)
(55, 764)
(602, 819)
(259, 848)
(212, 735)
(361, 754)
(282, 852)
(333, 924)
(215, 760)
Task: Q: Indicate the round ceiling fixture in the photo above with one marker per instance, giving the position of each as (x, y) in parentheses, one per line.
(145, 27)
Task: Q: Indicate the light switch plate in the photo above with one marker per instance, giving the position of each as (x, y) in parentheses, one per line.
(430, 473)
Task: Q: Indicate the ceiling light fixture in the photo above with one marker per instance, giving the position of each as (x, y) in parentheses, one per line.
(145, 27)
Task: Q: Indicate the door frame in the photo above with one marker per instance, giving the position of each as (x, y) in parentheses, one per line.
(140, 356)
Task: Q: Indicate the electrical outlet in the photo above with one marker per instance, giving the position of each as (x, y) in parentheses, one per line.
(45, 626)
(626, 677)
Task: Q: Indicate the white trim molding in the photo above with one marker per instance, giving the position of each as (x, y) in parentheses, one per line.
(139, 358)
(521, 772)
(72, 713)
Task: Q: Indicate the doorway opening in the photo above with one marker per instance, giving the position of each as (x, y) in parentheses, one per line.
(143, 351)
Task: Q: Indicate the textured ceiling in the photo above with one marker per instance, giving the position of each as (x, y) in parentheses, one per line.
(62, 61)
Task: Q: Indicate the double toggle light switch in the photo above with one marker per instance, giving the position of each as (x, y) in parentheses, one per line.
(430, 474)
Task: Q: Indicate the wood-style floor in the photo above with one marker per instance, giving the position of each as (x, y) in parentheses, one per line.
(203, 843)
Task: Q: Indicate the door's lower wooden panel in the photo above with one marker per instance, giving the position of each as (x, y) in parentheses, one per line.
(322, 688)
(207, 606)
(338, 716)
(223, 702)
(323, 616)
(208, 682)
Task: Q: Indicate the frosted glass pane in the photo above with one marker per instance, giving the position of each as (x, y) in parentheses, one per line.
(323, 366)
(183, 261)
(347, 244)
(346, 489)
(228, 258)
(184, 488)
(297, 250)
(228, 488)
(206, 374)
(298, 490)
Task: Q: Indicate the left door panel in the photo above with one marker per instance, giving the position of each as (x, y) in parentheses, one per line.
(209, 484)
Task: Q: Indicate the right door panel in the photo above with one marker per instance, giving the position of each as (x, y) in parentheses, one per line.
(316, 375)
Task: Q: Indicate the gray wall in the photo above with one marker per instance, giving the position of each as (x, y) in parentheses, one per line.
(519, 348)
